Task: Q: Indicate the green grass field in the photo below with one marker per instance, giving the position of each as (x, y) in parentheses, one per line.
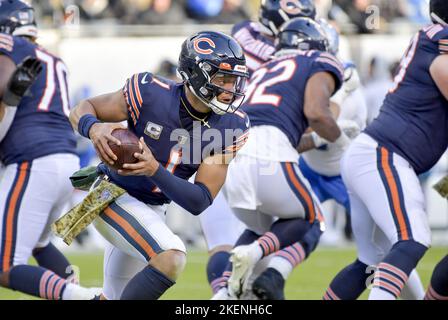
(308, 281)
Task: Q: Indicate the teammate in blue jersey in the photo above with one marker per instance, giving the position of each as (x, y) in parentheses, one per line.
(380, 168)
(185, 128)
(257, 41)
(257, 38)
(37, 147)
(264, 186)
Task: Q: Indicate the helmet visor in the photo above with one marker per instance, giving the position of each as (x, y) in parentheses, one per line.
(228, 89)
(24, 17)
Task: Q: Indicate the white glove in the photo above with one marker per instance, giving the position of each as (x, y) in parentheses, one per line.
(350, 128)
(351, 79)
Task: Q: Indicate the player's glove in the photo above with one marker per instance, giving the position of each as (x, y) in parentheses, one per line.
(21, 80)
(351, 78)
(350, 130)
(442, 187)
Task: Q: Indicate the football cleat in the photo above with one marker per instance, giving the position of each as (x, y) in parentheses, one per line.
(243, 263)
(269, 285)
(222, 294)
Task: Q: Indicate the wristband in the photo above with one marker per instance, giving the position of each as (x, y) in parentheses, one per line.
(85, 123)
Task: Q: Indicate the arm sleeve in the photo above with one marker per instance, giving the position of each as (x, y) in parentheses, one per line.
(193, 197)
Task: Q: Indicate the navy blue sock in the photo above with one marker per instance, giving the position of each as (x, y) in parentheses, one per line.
(311, 238)
(215, 267)
(36, 281)
(349, 283)
(148, 284)
(52, 259)
(393, 272)
(290, 231)
(405, 255)
(438, 289)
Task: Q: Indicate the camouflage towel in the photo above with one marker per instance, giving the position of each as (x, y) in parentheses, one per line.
(78, 218)
(442, 187)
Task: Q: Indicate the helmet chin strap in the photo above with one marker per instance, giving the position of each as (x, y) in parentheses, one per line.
(214, 105)
(436, 18)
(218, 107)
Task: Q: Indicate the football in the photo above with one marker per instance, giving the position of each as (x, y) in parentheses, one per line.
(125, 152)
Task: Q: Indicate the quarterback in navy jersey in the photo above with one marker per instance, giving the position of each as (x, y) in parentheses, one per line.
(37, 147)
(257, 38)
(185, 128)
(286, 95)
(380, 170)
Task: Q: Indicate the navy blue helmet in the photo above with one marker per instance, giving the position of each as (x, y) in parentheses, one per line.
(17, 18)
(302, 34)
(439, 11)
(273, 13)
(206, 56)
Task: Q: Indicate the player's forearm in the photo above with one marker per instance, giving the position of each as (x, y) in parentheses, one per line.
(306, 143)
(83, 108)
(326, 127)
(7, 115)
(2, 110)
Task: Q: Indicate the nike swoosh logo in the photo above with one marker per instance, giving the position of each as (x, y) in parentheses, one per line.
(144, 79)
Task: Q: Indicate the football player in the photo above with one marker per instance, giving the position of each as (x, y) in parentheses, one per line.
(257, 41)
(438, 288)
(320, 165)
(176, 122)
(264, 187)
(37, 146)
(380, 168)
(257, 38)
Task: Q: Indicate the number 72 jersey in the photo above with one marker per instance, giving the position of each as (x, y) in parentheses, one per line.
(40, 126)
(276, 94)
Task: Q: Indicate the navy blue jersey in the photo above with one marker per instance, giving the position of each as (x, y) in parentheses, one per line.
(40, 126)
(156, 110)
(413, 121)
(258, 48)
(277, 90)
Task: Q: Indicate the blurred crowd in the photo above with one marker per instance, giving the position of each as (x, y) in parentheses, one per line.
(345, 12)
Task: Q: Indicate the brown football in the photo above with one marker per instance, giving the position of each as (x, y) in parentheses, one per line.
(124, 152)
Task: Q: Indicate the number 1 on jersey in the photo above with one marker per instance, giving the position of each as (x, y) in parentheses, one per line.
(174, 160)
